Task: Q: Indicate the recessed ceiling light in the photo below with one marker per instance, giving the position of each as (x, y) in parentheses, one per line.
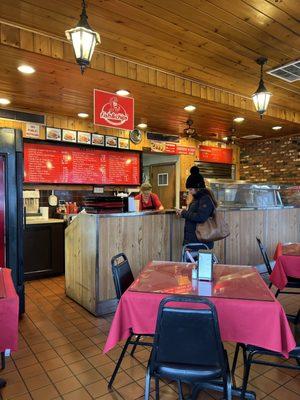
(142, 125)
(4, 102)
(225, 138)
(251, 137)
(276, 128)
(26, 69)
(122, 92)
(83, 115)
(190, 108)
(239, 119)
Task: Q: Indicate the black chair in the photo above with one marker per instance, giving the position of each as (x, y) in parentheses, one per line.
(293, 283)
(187, 347)
(193, 248)
(250, 353)
(123, 278)
(267, 270)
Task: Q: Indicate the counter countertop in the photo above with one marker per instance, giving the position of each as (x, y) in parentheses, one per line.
(35, 221)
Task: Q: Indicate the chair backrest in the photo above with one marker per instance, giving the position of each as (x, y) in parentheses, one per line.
(187, 335)
(193, 249)
(122, 273)
(264, 255)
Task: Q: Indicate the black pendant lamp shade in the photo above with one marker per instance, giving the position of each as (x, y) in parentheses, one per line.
(83, 39)
(261, 97)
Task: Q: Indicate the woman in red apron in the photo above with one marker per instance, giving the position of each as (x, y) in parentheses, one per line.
(148, 200)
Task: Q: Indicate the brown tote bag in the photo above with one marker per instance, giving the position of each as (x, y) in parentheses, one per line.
(215, 228)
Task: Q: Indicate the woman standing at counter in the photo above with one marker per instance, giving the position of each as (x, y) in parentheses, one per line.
(200, 209)
(148, 200)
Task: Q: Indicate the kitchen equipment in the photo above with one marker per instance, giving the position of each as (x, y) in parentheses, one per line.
(31, 202)
(52, 199)
(45, 212)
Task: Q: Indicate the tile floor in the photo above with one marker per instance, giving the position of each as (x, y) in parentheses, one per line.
(60, 356)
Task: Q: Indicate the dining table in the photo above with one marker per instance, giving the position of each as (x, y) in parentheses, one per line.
(287, 264)
(9, 314)
(246, 307)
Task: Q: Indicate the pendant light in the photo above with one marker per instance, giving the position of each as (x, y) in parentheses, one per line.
(83, 39)
(261, 97)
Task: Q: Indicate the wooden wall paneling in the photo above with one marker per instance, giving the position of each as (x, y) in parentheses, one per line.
(26, 40)
(81, 261)
(57, 49)
(10, 35)
(241, 247)
(42, 45)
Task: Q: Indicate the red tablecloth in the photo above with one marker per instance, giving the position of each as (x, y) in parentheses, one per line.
(9, 312)
(260, 323)
(292, 249)
(285, 266)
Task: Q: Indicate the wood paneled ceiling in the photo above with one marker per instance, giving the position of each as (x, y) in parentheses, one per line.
(212, 41)
(215, 41)
(57, 87)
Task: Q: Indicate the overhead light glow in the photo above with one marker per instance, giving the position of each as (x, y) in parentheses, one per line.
(190, 108)
(26, 69)
(276, 128)
(225, 138)
(82, 115)
(122, 92)
(4, 102)
(142, 125)
(239, 119)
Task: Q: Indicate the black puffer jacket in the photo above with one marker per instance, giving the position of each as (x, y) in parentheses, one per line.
(200, 209)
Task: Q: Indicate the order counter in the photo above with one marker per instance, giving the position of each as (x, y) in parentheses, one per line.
(92, 240)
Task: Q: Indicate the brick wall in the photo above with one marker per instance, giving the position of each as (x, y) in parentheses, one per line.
(276, 160)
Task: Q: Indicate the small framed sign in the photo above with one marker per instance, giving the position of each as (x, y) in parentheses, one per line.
(32, 131)
(111, 141)
(205, 265)
(97, 139)
(69, 135)
(53, 133)
(83, 137)
(123, 143)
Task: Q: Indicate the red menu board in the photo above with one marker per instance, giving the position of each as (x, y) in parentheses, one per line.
(215, 154)
(49, 163)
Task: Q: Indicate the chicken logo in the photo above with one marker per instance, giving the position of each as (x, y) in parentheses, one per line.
(113, 112)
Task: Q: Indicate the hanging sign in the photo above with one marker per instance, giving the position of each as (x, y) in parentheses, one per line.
(113, 111)
(32, 131)
(171, 148)
(215, 154)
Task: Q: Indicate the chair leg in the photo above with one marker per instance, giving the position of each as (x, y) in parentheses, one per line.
(2, 360)
(246, 376)
(119, 362)
(277, 293)
(270, 285)
(297, 320)
(134, 346)
(195, 392)
(147, 384)
(180, 393)
(156, 388)
(227, 385)
(235, 358)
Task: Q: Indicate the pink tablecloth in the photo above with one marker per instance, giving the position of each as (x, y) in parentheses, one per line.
(260, 323)
(285, 266)
(9, 312)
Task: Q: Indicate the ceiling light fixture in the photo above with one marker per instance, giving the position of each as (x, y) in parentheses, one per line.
(276, 128)
(190, 108)
(122, 92)
(4, 102)
(26, 69)
(142, 125)
(83, 40)
(82, 115)
(239, 119)
(261, 97)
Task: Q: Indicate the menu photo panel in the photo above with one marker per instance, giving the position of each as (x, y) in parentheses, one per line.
(83, 137)
(98, 139)
(68, 135)
(53, 133)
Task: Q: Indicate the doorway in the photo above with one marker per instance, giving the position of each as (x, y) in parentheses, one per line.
(163, 172)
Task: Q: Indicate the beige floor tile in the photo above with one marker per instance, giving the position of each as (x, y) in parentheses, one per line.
(31, 371)
(278, 376)
(137, 372)
(98, 388)
(37, 382)
(132, 391)
(13, 390)
(122, 379)
(294, 385)
(106, 370)
(72, 357)
(46, 355)
(285, 394)
(65, 349)
(79, 394)
(99, 360)
(88, 377)
(54, 363)
(26, 361)
(80, 366)
(46, 393)
(68, 385)
(265, 384)
(59, 374)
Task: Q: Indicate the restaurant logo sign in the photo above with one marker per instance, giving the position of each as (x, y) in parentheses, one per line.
(113, 111)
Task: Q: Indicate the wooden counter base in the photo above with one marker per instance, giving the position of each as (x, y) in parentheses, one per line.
(92, 240)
